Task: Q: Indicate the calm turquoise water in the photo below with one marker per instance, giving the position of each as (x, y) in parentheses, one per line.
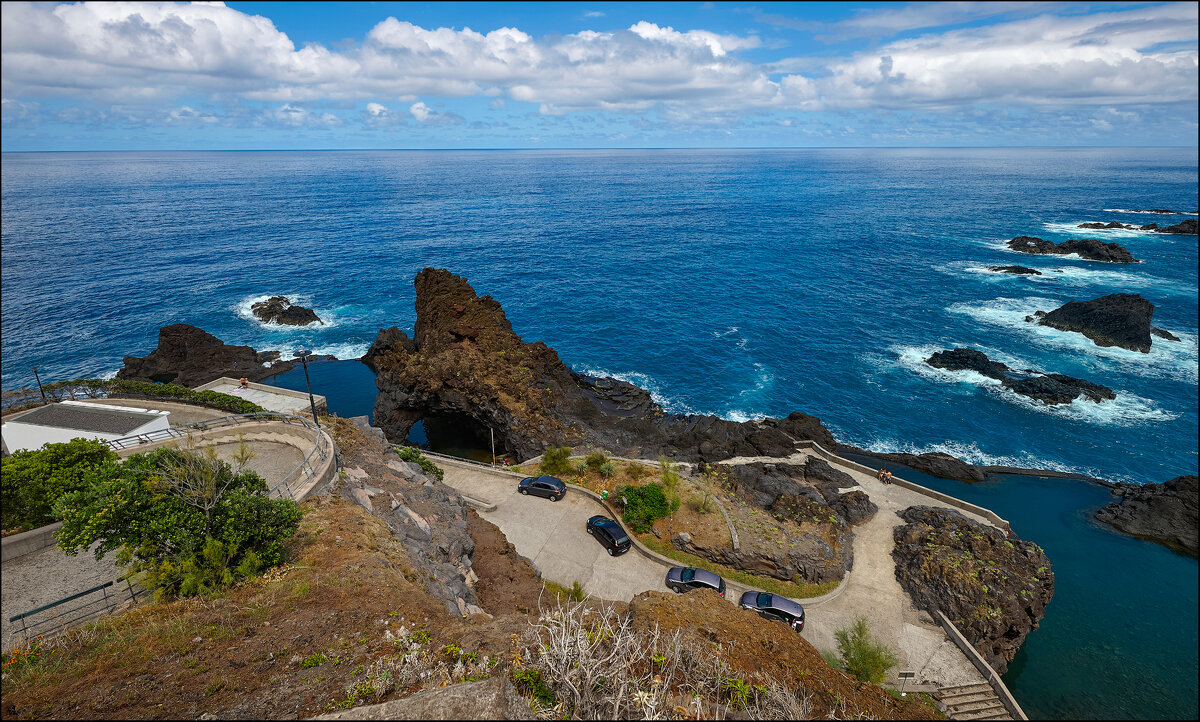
(737, 283)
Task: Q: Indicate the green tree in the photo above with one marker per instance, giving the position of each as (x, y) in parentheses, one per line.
(556, 461)
(32, 481)
(185, 520)
(862, 655)
(644, 505)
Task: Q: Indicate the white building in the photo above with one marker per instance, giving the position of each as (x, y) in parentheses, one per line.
(66, 420)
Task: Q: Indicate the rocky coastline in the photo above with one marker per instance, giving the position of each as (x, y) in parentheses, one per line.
(1186, 227)
(1119, 319)
(281, 311)
(1087, 248)
(1050, 389)
(1016, 270)
(189, 356)
(1162, 513)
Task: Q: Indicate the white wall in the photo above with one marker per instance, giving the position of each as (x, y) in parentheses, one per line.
(19, 436)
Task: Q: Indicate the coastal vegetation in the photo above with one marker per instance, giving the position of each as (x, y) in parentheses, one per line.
(413, 454)
(861, 654)
(76, 389)
(34, 480)
(188, 522)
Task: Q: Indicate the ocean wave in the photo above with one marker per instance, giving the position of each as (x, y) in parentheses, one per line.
(1074, 276)
(726, 332)
(1167, 359)
(970, 452)
(644, 381)
(330, 317)
(1072, 229)
(343, 351)
(1152, 213)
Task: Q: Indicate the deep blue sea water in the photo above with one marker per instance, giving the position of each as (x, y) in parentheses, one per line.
(739, 283)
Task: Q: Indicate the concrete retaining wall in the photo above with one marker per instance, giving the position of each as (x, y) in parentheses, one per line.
(832, 458)
(1006, 698)
(28, 542)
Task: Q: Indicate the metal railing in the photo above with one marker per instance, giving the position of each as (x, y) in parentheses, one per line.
(64, 617)
(306, 470)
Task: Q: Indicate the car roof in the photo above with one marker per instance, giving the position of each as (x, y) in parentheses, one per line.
(703, 575)
(786, 605)
(550, 480)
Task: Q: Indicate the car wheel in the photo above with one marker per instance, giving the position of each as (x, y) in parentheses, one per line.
(555, 498)
(591, 530)
(677, 589)
(525, 491)
(612, 552)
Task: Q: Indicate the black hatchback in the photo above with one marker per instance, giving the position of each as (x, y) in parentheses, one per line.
(610, 535)
(773, 606)
(550, 487)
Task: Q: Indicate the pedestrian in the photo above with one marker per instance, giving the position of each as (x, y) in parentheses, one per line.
(879, 476)
(245, 382)
(887, 477)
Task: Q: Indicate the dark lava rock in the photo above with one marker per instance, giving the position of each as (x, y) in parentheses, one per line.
(1163, 334)
(1019, 270)
(1047, 388)
(190, 357)
(278, 309)
(1186, 227)
(935, 464)
(770, 485)
(1163, 513)
(1088, 248)
(1120, 319)
(1097, 226)
(995, 589)
(465, 361)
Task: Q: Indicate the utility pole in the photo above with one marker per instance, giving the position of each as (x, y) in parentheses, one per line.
(39, 383)
(303, 354)
(492, 432)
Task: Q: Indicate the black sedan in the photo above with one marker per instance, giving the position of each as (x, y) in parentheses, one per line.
(685, 579)
(610, 535)
(773, 606)
(550, 487)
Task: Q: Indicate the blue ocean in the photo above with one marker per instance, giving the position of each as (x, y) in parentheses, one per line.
(742, 283)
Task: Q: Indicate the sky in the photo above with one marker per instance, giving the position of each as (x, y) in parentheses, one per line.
(277, 75)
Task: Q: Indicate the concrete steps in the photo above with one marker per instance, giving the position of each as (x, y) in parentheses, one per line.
(971, 702)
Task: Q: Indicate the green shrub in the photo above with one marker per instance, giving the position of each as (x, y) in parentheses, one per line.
(862, 656)
(668, 471)
(32, 481)
(607, 469)
(555, 461)
(580, 466)
(529, 682)
(832, 659)
(595, 460)
(414, 455)
(644, 505)
(635, 470)
(187, 521)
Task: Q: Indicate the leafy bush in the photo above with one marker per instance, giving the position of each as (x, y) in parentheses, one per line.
(580, 466)
(669, 472)
(556, 461)
(636, 470)
(595, 460)
(32, 481)
(414, 455)
(862, 656)
(644, 505)
(607, 469)
(211, 399)
(185, 520)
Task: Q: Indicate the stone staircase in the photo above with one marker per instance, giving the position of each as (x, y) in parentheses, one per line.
(971, 701)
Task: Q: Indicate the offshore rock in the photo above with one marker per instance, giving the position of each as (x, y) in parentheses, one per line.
(993, 588)
(465, 361)
(1019, 270)
(1163, 513)
(1186, 228)
(933, 463)
(190, 357)
(1050, 389)
(1088, 248)
(278, 309)
(1119, 319)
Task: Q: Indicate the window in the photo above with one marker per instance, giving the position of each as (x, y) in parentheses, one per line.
(688, 574)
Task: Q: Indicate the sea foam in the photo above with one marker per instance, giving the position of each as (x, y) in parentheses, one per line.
(330, 317)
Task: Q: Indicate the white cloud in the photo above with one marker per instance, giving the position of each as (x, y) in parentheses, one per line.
(428, 116)
(593, 14)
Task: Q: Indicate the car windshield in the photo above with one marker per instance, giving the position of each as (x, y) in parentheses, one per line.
(764, 600)
(620, 538)
(688, 574)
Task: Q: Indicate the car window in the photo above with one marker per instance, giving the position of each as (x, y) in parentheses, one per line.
(688, 575)
(763, 600)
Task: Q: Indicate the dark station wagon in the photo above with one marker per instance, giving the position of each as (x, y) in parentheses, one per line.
(610, 535)
(773, 606)
(550, 487)
(685, 579)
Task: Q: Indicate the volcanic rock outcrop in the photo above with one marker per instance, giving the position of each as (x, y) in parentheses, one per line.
(190, 356)
(933, 463)
(466, 361)
(1186, 227)
(1119, 319)
(1164, 513)
(1088, 248)
(1050, 389)
(278, 309)
(1018, 270)
(995, 589)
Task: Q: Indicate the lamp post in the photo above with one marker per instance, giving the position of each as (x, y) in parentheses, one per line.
(39, 383)
(302, 354)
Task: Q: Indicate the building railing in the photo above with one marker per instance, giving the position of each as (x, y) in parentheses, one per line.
(306, 471)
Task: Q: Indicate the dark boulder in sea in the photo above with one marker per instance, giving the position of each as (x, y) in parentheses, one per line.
(465, 362)
(1186, 227)
(1048, 388)
(1154, 330)
(190, 357)
(1089, 248)
(1099, 226)
(994, 588)
(1165, 513)
(1119, 319)
(278, 309)
(1019, 270)
(933, 463)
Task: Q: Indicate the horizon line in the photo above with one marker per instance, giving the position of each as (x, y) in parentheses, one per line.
(746, 147)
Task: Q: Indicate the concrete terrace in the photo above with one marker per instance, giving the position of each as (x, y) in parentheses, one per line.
(271, 398)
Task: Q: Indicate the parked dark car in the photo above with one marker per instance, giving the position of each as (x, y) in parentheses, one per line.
(610, 534)
(773, 606)
(685, 579)
(550, 487)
